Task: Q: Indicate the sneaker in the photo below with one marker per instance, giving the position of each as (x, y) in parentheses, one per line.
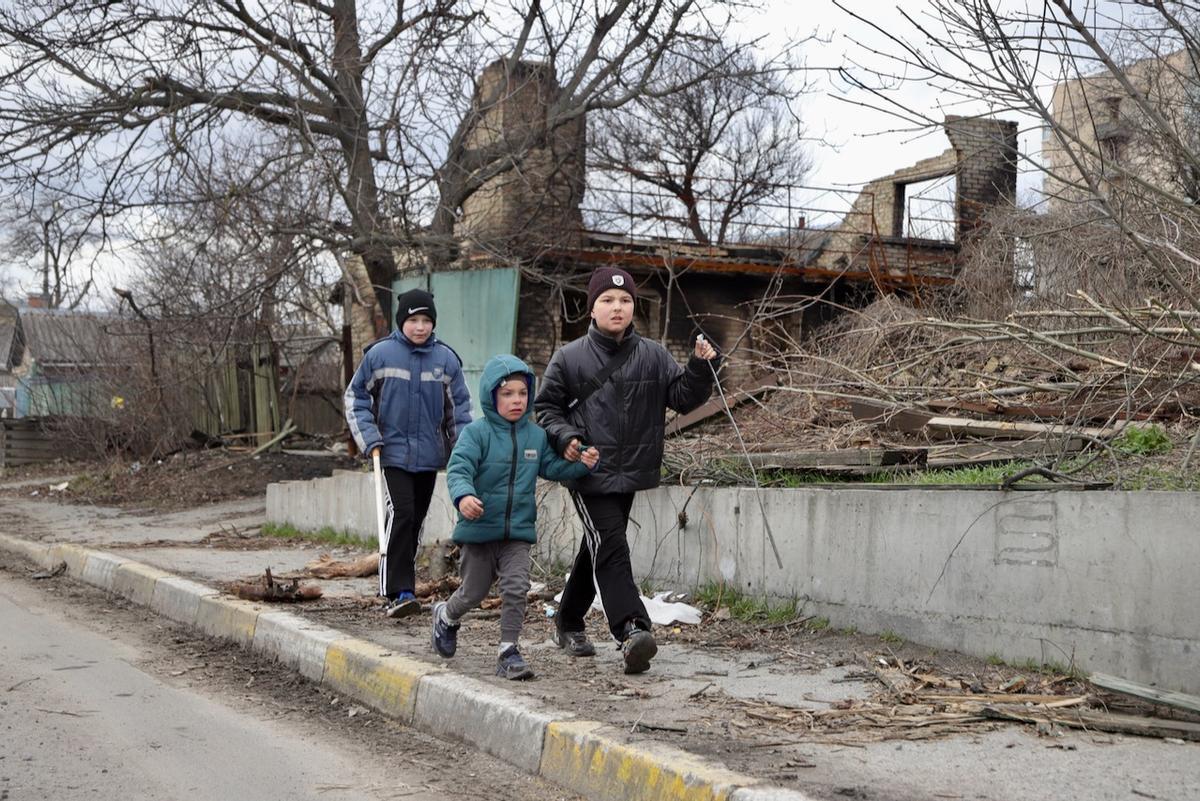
(638, 648)
(511, 665)
(403, 605)
(575, 643)
(445, 636)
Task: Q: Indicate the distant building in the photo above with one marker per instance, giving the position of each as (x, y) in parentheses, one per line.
(1103, 133)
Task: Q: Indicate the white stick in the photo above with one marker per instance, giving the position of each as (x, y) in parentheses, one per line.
(379, 501)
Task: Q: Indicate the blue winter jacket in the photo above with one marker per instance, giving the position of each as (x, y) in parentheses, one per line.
(499, 462)
(411, 399)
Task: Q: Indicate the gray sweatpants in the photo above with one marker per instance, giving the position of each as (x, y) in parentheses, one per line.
(479, 565)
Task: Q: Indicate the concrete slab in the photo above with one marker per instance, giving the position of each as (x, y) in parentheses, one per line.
(73, 555)
(228, 618)
(769, 794)
(136, 581)
(36, 519)
(593, 761)
(36, 552)
(503, 724)
(298, 643)
(100, 568)
(179, 598)
(375, 676)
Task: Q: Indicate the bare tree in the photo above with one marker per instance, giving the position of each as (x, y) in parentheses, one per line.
(1113, 85)
(57, 241)
(111, 98)
(714, 154)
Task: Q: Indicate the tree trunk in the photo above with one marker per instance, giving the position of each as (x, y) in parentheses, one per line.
(361, 191)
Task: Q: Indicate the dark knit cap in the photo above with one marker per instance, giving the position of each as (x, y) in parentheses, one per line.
(604, 278)
(414, 301)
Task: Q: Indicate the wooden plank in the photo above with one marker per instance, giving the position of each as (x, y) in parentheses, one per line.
(19, 436)
(890, 415)
(715, 406)
(1100, 721)
(1005, 428)
(1091, 411)
(1145, 691)
(845, 457)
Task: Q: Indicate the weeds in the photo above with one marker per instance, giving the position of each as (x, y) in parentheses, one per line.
(1143, 441)
(714, 596)
(325, 536)
(891, 637)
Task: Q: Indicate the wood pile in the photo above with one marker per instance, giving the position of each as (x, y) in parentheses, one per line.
(889, 388)
(914, 703)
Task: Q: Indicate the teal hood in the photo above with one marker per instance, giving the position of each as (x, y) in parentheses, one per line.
(500, 462)
(493, 373)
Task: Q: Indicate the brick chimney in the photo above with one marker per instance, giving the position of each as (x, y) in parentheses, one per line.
(535, 204)
(38, 301)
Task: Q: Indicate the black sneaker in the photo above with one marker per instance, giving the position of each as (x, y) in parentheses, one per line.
(445, 636)
(575, 643)
(511, 665)
(403, 605)
(638, 648)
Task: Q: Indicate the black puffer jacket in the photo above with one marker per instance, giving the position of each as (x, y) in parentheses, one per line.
(625, 417)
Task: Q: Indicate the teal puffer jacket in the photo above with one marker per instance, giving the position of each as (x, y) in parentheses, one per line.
(499, 462)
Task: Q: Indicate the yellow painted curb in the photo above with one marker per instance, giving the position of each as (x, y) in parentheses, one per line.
(588, 758)
(73, 555)
(36, 552)
(368, 672)
(228, 618)
(136, 581)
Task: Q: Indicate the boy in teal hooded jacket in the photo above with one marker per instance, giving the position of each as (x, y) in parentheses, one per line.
(492, 477)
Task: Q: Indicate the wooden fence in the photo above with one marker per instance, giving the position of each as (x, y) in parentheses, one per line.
(24, 441)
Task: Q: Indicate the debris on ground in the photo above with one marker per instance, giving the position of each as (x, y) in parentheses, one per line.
(916, 703)
(272, 590)
(327, 567)
(1087, 391)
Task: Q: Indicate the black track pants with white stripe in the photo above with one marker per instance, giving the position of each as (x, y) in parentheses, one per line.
(603, 561)
(405, 504)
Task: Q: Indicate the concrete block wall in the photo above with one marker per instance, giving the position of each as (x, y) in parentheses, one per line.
(1103, 579)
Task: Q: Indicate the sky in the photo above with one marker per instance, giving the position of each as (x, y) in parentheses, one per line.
(850, 144)
(853, 144)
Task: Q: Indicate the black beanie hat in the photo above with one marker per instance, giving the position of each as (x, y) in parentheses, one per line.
(414, 301)
(604, 278)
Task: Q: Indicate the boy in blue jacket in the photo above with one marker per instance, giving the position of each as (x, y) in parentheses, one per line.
(492, 476)
(408, 400)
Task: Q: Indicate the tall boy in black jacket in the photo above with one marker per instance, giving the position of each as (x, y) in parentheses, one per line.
(625, 419)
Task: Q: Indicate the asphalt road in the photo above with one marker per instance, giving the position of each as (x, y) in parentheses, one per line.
(99, 701)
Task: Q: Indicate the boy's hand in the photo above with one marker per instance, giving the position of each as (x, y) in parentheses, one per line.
(704, 349)
(590, 458)
(573, 451)
(471, 507)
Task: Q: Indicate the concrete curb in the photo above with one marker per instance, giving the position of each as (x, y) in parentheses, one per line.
(586, 757)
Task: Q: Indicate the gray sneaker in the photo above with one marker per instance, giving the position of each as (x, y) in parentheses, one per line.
(511, 665)
(638, 649)
(575, 643)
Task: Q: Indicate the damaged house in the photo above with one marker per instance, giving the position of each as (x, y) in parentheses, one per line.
(517, 283)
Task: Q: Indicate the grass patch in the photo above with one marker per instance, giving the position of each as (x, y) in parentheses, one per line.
(747, 608)
(988, 474)
(1143, 441)
(819, 623)
(891, 637)
(324, 536)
